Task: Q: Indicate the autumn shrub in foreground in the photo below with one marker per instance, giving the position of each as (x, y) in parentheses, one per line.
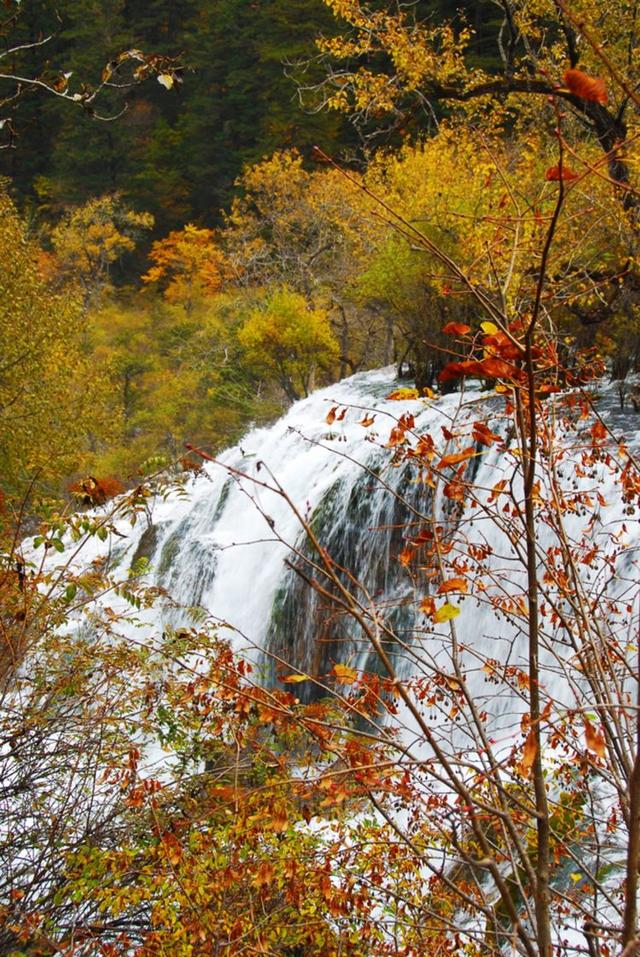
(152, 797)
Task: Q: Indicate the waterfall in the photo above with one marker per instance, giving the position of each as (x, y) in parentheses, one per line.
(234, 546)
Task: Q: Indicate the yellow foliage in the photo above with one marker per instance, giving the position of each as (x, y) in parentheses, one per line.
(51, 393)
(312, 231)
(285, 338)
(92, 237)
(177, 378)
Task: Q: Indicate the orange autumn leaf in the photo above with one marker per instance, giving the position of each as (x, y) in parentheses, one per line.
(367, 421)
(405, 556)
(594, 738)
(397, 437)
(454, 584)
(331, 415)
(345, 674)
(456, 457)
(528, 754)
(456, 329)
(483, 434)
(454, 490)
(264, 874)
(428, 606)
(590, 88)
(279, 818)
(497, 489)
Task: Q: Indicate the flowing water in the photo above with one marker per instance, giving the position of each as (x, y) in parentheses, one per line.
(234, 543)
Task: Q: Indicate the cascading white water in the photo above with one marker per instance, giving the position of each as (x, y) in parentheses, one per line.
(229, 543)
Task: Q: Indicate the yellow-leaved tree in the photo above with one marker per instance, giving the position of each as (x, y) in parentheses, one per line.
(312, 231)
(89, 239)
(52, 396)
(284, 338)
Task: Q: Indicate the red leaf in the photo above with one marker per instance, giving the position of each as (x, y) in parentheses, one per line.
(456, 370)
(494, 368)
(483, 434)
(500, 343)
(96, 491)
(586, 87)
(555, 173)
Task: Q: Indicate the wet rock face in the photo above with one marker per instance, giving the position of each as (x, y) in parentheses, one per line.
(361, 526)
(147, 545)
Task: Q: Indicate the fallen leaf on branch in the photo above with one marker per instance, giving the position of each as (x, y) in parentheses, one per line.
(446, 613)
(454, 584)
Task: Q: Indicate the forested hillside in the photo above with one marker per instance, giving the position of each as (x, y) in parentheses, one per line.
(240, 98)
(176, 156)
(183, 219)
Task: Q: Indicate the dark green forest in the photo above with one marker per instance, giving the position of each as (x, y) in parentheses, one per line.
(245, 66)
(176, 156)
